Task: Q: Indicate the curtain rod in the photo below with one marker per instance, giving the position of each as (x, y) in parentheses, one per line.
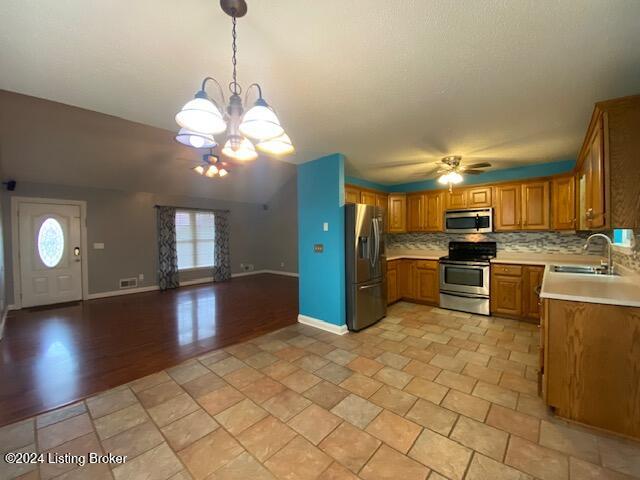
(193, 208)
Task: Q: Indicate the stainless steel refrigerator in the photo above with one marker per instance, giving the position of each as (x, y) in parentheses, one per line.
(366, 265)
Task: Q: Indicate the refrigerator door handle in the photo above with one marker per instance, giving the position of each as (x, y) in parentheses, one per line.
(376, 229)
(372, 246)
(366, 287)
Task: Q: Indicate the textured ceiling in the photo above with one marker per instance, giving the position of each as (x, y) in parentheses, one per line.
(384, 82)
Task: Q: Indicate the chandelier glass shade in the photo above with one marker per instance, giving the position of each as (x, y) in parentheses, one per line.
(244, 151)
(201, 115)
(201, 118)
(276, 146)
(195, 139)
(261, 122)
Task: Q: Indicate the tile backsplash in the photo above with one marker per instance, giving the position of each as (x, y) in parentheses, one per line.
(517, 242)
(629, 258)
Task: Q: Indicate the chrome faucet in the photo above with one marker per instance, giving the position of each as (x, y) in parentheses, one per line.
(609, 244)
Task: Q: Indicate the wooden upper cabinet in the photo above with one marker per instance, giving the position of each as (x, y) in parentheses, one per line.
(595, 182)
(456, 199)
(563, 203)
(415, 212)
(382, 201)
(507, 208)
(434, 213)
(351, 194)
(535, 206)
(479, 197)
(397, 212)
(368, 198)
(608, 182)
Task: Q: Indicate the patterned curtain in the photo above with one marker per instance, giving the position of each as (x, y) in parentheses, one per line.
(222, 270)
(167, 253)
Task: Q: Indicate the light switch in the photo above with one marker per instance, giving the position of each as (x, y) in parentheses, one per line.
(325, 226)
(98, 246)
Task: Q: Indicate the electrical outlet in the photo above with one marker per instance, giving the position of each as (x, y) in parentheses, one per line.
(281, 264)
(318, 248)
(246, 267)
(141, 277)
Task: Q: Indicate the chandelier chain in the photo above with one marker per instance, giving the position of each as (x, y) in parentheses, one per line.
(234, 86)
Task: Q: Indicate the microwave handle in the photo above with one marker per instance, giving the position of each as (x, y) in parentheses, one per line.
(477, 222)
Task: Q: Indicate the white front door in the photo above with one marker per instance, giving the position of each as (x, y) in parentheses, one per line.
(50, 255)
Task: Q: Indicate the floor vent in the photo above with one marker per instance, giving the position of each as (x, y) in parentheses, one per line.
(128, 282)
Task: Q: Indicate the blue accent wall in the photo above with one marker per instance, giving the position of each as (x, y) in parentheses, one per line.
(322, 275)
(366, 183)
(493, 176)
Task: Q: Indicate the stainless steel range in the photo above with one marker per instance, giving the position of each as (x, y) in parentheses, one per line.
(465, 277)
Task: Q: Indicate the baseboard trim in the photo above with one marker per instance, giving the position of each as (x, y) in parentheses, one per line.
(124, 291)
(280, 272)
(3, 321)
(322, 325)
(13, 306)
(196, 281)
(258, 272)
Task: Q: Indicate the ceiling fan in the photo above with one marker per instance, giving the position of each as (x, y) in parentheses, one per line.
(451, 170)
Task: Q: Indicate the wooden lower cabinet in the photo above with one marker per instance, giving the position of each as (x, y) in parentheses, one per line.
(531, 283)
(427, 281)
(514, 290)
(591, 369)
(392, 281)
(417, 280)
(506, 295)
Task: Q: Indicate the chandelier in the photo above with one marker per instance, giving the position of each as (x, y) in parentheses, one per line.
(259, 128)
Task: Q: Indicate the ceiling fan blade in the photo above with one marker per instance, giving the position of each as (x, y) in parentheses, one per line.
(478, 165)
(397, 165)
(473, 172)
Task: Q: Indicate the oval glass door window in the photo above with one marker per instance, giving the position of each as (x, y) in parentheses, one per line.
(50, 242)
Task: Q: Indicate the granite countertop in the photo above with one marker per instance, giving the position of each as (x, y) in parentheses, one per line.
(622, 289)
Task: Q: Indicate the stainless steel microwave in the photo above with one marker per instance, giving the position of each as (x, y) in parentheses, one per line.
(477, 220)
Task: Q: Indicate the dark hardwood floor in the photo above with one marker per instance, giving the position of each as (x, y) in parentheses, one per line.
(53, 356)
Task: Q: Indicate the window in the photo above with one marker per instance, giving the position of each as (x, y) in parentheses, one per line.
(50, 242)
(623, 237)
(195, 239)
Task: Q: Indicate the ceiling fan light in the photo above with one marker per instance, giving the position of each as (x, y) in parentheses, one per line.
(201, 115)
(444, 179)
(212, 171)
(277, 146)
(455, 178)
(199, 169)
(244, 152)
(222, 172)
(195, 139)
(260, 122)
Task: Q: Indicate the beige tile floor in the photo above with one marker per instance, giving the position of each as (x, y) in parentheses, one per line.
(426, 393)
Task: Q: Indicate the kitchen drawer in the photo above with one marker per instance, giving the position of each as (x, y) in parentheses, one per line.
(392, 265)
(432, 264)
(504, 269)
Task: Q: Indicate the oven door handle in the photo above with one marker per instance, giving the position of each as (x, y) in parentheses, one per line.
(463, 295)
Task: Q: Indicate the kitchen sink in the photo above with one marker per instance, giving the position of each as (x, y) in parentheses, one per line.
(581, 269)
